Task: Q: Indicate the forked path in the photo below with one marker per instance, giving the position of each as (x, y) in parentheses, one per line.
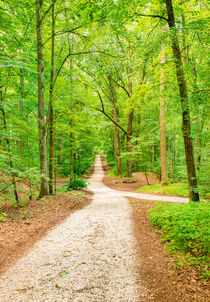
(90, 257)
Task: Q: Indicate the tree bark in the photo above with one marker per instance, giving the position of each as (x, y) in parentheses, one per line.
(71, 152)
(186, 127)
(171, 157)
(60, 146)
(21, 89)
(116, 129)
(41, 106)
(163, 153)
(10, 162)
(128, 144)
(51, 109)
(130, 127)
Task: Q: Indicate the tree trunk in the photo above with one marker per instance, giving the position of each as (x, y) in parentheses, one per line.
(71, 152)
(130, 127)
(51, 109)
(60, 146)
(41, 106)
(171, 157)
(163, 153)
(8, 146)
(186, 128)
(116, 129)
(128, 145)
(198, 157)
(21, 89)
(117, 142)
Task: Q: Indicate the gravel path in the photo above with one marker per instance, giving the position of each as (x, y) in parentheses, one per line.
(88, 258)
(148, 196)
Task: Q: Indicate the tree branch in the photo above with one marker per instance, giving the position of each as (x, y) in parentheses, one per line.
(59, 33)
(47, 11)
(75, 54)
(152, 16)
(123, 87)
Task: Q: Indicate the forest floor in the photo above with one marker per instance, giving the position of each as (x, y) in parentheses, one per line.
(23, 226)
(156, 267)
(96, 254)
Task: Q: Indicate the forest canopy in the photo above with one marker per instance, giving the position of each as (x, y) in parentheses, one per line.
(124, 78)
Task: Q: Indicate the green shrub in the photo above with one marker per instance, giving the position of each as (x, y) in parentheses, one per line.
(185, 228)
(180, 189)
(78, 184)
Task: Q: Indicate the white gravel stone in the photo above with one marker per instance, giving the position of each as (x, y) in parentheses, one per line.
(90, 257)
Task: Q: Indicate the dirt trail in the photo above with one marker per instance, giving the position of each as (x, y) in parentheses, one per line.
(88, 258)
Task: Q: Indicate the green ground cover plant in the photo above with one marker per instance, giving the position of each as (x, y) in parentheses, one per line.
(180, 189)
(78, 184)
(185, 228)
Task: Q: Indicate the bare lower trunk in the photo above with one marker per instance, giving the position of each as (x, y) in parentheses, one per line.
(163, 153)
(52, 112)
(41, 107)
(116, 129)
(198, 153)
(51, 150)
(21, 144)
(60, 146)
(117, 148)
(10, 162)
(171, 157)
(186, 128)
(71, 153)
(129, 150)
(130, 126)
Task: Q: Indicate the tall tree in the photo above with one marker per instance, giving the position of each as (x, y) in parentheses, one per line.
(186, 124)
(163, 155)
(41, 104)
(51, 107)
(112, 88)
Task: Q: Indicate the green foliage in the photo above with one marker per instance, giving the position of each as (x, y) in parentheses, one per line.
(180, 189)
(186, 230)
(124, 42)
(3, 216)
(78, 184)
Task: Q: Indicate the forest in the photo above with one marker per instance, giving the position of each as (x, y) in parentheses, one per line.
(127, 79)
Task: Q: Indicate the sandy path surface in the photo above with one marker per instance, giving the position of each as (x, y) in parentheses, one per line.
(148, 196)
(88, 258)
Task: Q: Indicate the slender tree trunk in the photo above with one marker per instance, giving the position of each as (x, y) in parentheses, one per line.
(163, 153)
(186, 128)
(51, 109)
(171, 157)
(130, 129)
(71, 152)
(60, 147)
(184, 40)
(117, 142)
(198, 154)
(116, 129)
(128, 145)
(137, 135)
(8, 145)
(21, 89)
(41, 106)
(29, 165)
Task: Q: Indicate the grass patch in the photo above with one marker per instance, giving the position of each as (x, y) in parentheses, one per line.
(179, 189)
(185, 228)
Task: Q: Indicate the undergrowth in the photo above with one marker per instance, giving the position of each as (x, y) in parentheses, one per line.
(185, 228)
(180, 189)
(78, 184)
